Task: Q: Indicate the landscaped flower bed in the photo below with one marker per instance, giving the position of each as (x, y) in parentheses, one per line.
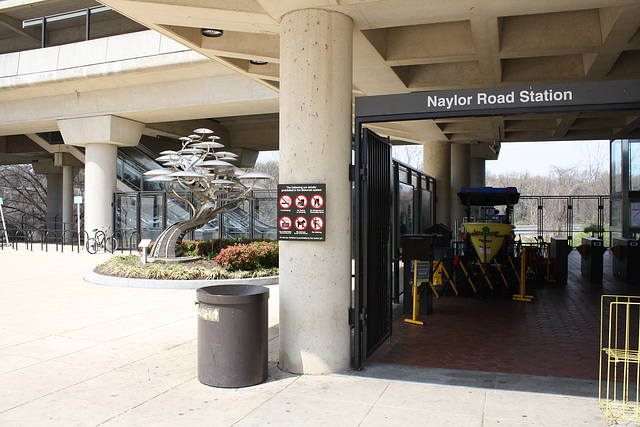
(220, 259)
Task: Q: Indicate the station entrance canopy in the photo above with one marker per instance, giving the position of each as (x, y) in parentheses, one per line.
(619, 100)
(624, 94)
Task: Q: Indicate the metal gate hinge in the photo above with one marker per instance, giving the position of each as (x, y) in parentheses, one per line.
(364, 171)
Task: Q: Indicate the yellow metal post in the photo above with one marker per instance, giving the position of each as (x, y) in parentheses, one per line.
(449, 278)
(619, 392)
(468, 278)
(416, 296)
(515, 270)
(484, 273)
(501, 275)
(523, 268)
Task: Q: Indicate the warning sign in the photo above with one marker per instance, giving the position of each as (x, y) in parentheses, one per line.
(317, 201)
(301, 201)
(285, 223)
(317, 223)
(306, 204)
(301, 223)
(285, 201)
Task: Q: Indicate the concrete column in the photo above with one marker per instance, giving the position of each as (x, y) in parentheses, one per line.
(315, 147)
(100, 135)
(478, 179)
(67, 200)
(99, 185)
(54, 201)
(460, 177)
(437, 163)
(478, 172)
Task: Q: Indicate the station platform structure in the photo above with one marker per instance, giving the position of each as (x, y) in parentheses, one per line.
(555, 335)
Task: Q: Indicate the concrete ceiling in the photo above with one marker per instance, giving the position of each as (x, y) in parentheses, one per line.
(400, 46)
(422, 45)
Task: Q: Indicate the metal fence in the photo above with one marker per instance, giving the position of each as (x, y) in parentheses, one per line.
(572, 217)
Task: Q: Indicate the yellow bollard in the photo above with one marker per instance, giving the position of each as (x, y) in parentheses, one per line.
(523, 268)
(416, 296)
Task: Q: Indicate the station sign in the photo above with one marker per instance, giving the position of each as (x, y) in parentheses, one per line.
(502, 98)
(302, 212)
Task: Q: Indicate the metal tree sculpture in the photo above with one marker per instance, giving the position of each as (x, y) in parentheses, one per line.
(217, 185)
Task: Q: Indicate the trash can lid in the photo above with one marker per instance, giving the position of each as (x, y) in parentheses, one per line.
(232, 294)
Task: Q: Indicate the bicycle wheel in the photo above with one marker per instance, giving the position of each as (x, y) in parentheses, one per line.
(92, 246)
(99, 235)
(110, 244)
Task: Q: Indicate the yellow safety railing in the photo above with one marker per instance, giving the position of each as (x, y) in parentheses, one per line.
(619, 392)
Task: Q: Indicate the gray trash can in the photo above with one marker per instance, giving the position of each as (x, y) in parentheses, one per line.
(232, 335)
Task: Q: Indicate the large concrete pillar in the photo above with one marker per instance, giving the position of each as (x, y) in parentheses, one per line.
(100, 136)
(478, 172)
(54, 201)
(67, 200)
(315, 147)
(460, 177)
(53, 175)
(437, 163)
(99, 185)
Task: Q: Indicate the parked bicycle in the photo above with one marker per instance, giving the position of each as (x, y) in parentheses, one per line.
(101, 240)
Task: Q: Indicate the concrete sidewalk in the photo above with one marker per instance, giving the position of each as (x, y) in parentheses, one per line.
(76, 353)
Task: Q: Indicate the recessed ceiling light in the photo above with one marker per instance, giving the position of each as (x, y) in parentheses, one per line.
(210, 32)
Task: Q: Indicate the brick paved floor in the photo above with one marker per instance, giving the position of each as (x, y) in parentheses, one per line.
(555, 335)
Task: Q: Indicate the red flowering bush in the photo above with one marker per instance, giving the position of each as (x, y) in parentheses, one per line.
(249, 256)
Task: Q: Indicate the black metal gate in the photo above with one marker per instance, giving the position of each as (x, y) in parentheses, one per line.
(373, 212)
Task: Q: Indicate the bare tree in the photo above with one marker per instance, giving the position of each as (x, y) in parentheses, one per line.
(25, 196)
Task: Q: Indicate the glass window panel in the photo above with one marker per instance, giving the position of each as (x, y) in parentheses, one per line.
(634, 165)
(406, 208)
(265, 215)
(151, 215)
(616, 214)
(425, 210)
(616, 166)
(236, 222)
(126, 217)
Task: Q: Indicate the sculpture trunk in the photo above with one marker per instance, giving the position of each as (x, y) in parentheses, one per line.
(169, 243)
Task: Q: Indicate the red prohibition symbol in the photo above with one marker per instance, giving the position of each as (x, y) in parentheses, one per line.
(285, 201)
(301, 201)
(317, 223)
(301, 223)
(285, 223)
(317, 201)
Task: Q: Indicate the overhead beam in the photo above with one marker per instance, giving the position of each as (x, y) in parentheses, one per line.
(16, 26)
(56, 148)
(619, 25)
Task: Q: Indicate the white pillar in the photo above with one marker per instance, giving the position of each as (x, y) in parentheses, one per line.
(100, 135)
(99, 185)
(437, 163)
(315, 147)
(67, 201)
(460, 177)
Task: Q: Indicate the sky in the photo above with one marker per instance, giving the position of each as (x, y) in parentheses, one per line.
(535, 157)
(538, 157)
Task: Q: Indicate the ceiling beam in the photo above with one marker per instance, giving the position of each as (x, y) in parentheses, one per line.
(16, 26)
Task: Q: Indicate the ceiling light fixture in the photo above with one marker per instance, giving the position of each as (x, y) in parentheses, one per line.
(210, 32)
(256, 62)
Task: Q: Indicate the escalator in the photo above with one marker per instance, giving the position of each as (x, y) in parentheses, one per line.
(143, 210)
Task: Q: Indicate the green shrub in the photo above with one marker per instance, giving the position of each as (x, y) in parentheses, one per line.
(209, 249)
(251, 256)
